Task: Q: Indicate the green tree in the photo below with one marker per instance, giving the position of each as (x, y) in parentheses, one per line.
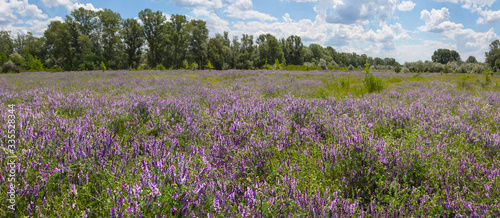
(133, 38)
(36, 65)
(471, 59)
(269, 48)
(88, 58)
(293, 47)
(219, 51)
(493, 56)
(178, 39)
(57, 44)
(155, 33)
(6, 43)
(444, 56)
(198, 38)
(111, 43)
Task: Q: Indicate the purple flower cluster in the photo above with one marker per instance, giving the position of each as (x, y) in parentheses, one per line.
(161, 144)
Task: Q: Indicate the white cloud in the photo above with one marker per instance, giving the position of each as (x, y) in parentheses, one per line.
(488, 16)
(480, 3)
(54, 3)
(414, 52)
(287, 18)
(406, 6)
(70, 5)
(355, 12)
(215, 24)
(470, 42)
(437, 21)
(243, 9)
(198, 3)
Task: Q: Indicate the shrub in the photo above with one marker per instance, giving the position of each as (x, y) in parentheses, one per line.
(102, 66)
(160, 67)
(350, 67)
(36, 65)
(397, 69)
(140, 67)
(194, 66)
(446, 69)
(10, 66)
(405, 70)
(372, 83)
(267, 66)
(209, 66)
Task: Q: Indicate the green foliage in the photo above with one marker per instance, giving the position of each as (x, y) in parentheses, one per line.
(277, 64)
(102, 66)
(372, 83)
(493, 56)
(209, 66)
(267, 66)
(300, 68)
(194, 66)
(444, 56)
(159, 67)
(53, 70)
(446, 70)
(140, 68)
(36, 65)
(397, 69)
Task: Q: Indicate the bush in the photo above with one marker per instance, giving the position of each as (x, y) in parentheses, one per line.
(10, 66)
(397, 69)
(350, 67)
(372, 83)
(194, 66)
(36, 65)
(405, 70)
(160, 67)
(140, 67)
(102, 66)
(53, 70)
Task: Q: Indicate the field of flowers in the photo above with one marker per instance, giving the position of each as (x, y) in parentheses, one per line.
(251, 144)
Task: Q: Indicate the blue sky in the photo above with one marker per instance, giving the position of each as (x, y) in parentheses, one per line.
(407, 30)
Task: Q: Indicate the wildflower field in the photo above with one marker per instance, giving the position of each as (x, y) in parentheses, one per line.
(250, 144)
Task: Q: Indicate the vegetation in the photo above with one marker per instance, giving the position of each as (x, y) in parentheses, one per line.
(252, 143)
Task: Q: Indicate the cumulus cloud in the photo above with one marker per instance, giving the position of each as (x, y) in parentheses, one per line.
(480, 3)
(406, 6)
(470, 42)
(488, 16)
(437, 21)
(243, 9)
(351, 12)
(70, 5)
(198, 3)
(215, 24)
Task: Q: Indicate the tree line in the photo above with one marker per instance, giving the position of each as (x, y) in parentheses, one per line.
(87, 39)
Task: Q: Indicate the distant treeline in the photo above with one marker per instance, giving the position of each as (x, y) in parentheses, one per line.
(87, 40)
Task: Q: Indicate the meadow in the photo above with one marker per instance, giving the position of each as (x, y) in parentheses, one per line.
(253, 143)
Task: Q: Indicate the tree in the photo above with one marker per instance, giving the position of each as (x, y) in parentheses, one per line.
(155, 33)
(88, 57)
(6, 44)
(444, 56)
(198, 37)
(178, 39)
(471, 59)
(269, 48)
(493, 56)
(133, 38)
(219, 52)
(293, 47)
(57, 44)
(110, 22)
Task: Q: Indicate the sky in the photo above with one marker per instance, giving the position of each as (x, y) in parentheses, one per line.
(406, 30)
